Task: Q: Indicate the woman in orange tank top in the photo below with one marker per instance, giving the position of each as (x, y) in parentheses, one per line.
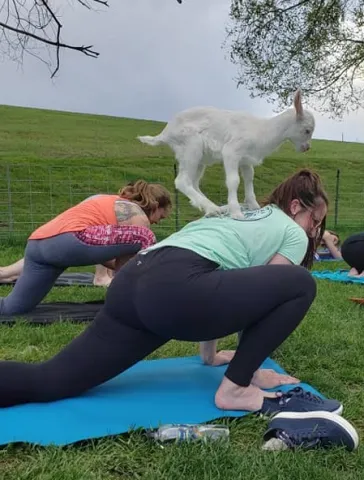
(101, 230)
(103, 275)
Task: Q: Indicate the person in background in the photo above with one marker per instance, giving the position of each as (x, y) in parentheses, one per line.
(103, 229)
(329, 246)
(353, 254)
(102, 278)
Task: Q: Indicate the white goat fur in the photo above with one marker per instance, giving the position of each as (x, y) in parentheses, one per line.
(203, 136)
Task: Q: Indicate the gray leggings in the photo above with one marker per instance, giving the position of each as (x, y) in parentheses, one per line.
(46, 259)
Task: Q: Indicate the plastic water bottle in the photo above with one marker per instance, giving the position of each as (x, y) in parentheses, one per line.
(188, 432)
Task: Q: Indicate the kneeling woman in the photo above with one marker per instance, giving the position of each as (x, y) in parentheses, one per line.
(104, 229)
(353, 254)
(215, 277)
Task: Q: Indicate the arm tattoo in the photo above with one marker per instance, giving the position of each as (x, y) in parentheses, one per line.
(125, 211)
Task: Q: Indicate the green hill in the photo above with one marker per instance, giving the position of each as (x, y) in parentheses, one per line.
(51, 160)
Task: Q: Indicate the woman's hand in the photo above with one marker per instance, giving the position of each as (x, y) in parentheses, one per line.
(210, 356)
(327, 236)
(330, 241)
(223, 357)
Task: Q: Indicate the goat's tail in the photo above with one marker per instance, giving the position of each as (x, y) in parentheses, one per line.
(148, 139)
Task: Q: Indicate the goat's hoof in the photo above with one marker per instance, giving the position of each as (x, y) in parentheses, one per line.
(251, 206)
(213, 212)
(237, 215)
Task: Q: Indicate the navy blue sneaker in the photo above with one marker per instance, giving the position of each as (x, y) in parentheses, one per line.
(299, 400)
(309, 430)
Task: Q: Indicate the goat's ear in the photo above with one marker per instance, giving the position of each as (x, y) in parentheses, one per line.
(298, 103)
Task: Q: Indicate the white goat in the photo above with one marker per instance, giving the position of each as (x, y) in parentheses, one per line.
(203, 136)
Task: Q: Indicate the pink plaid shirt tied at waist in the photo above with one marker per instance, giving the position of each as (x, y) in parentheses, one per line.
(117, 234)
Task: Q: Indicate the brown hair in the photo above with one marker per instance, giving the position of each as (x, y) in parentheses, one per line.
(305, 186)
(149, 196)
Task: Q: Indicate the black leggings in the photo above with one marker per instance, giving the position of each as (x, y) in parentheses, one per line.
(169, 294)
(352, 251)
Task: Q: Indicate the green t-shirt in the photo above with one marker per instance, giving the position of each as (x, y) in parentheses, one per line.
(251, 241)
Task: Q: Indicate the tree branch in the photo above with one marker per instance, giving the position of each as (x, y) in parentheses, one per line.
(59, 26)
(352, 40)
(83, 49)
(26, 18)
(84, 4)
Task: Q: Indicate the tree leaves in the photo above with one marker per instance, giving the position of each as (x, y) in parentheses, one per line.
(317, 45)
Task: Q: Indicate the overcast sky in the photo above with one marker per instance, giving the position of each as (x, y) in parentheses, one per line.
(157, 57)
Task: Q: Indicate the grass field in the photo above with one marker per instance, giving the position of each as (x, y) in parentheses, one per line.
(326, 350)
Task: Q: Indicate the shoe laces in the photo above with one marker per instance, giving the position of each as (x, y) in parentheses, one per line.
(301, 393)
(303, 438)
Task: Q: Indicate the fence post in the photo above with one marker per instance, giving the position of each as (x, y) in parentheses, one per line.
(8, 181)
(176, 200)
(337, 191)
(50, 190)
(70, 186)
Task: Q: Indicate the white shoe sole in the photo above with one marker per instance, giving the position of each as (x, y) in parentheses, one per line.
(339, 411)
(327, 416)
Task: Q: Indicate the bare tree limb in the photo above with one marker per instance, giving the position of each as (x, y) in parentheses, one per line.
(82, 49)
(36, 20)
(59, 26)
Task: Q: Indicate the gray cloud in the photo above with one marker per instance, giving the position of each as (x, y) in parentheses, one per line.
(156, 58)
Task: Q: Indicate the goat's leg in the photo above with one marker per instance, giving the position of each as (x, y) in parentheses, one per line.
(199, 174)
(190, 171)
(200, 171)
(250, 200)
(231, 166)
(184, 184)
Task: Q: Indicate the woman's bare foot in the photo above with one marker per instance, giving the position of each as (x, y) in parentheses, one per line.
(103, 276)
(11, 272)
(353, 272)
(230, 396)
(102, 281)
(268, 378)
(5, 277)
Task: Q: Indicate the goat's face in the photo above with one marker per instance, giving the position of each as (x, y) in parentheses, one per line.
(302, 130)
(303, 126)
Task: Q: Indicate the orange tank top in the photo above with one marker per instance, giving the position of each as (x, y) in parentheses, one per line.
(98, 210)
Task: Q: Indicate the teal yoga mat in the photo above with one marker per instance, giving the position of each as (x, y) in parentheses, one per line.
(337, 276)
(151, 393)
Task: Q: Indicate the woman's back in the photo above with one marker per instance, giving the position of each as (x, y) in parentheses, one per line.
(243, 243)
(96, 210)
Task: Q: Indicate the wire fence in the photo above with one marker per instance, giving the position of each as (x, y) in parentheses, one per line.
(32, 194)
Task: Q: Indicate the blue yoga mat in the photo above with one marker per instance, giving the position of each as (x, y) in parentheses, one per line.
(337, 276)
(328, 259)
(153, 392)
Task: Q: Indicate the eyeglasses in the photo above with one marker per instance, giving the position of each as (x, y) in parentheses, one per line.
(315, 221)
